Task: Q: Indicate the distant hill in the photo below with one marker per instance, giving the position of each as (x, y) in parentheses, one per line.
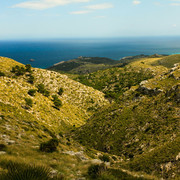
(85, 65)
(168, 61)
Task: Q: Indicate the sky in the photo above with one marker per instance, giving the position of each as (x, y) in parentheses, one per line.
(32, 19)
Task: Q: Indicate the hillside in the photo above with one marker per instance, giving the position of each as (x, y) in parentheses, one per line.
(27, 120)
(58, 127)
(84, 65)
(143, 127)
(115, 81)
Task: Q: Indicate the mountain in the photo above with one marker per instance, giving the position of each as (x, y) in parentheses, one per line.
(123, 125)
(85, 65)
(143, 126)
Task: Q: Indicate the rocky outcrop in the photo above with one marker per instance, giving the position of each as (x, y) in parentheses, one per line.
(148, 91)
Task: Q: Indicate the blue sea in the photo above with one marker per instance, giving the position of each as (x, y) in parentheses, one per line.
(48, 52)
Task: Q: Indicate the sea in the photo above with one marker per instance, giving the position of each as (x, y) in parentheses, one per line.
(46, 52)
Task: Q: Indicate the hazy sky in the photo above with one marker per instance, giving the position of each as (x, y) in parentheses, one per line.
(88, 18)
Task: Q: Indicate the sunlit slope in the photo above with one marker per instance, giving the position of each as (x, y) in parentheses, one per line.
(144, 122)
(79, 101)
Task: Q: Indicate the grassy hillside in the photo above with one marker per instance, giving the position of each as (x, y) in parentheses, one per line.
(115, 81)
(44, 116)
(144, 123)
(168, 61)
(27, 120)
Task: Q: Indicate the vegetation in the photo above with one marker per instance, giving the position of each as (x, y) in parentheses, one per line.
(32, 92)
(42, 90)
(115, 81)
(2, 74)
(31, 79)
(18, 71)
(138, 133)
(104, 158)
(23, 171)
(84, 65)
(168, 61)
(28, 68)
(57, 102)
(60, 92)
(29, 102)
(101, 172)
(49, 146)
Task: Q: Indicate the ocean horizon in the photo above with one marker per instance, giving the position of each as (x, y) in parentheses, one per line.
(48, 52)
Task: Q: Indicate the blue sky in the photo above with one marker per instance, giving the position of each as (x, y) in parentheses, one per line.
(24, 19)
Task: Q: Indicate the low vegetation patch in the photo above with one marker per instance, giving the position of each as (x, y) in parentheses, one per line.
(49, 146)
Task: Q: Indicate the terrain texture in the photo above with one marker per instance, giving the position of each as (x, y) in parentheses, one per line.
(111, 120)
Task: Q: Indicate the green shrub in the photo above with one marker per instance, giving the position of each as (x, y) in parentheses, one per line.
(60, 92)
(22, 171)
(3, 147)
(104, 158)
(32, 92)
(2, 74)
(18, 71)
(29, 102)
(49, 146)
(96, 170)
(28, 68)
(57, 101)
(42, 90)
(31, 79)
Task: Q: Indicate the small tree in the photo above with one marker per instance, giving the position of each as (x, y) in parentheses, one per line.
(18, 70)
(2, 74)
(31, 79)
(42, 90)
(60, 92)
(57, 101)
(32, 92)
(28, 68)
(29, 102)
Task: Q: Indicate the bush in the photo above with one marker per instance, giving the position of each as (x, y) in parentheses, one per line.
(3, 147)
(22, 171)
(31, 79)
(28, 68)
(60, 92)
(32, 92)
(42, 90)
(2, 74)
(18, 70)
(49, 146)
(96, 170)
(29, 102)
(104, 158)
(57, 101)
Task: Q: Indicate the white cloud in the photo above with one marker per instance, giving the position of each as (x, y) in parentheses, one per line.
(174, 25)
(100, 6)
(81, 12)
(92, 8)
(45, 4)
(176, 3)
(136, 2)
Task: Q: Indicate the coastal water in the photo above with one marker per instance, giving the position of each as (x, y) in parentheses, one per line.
(48, 52)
